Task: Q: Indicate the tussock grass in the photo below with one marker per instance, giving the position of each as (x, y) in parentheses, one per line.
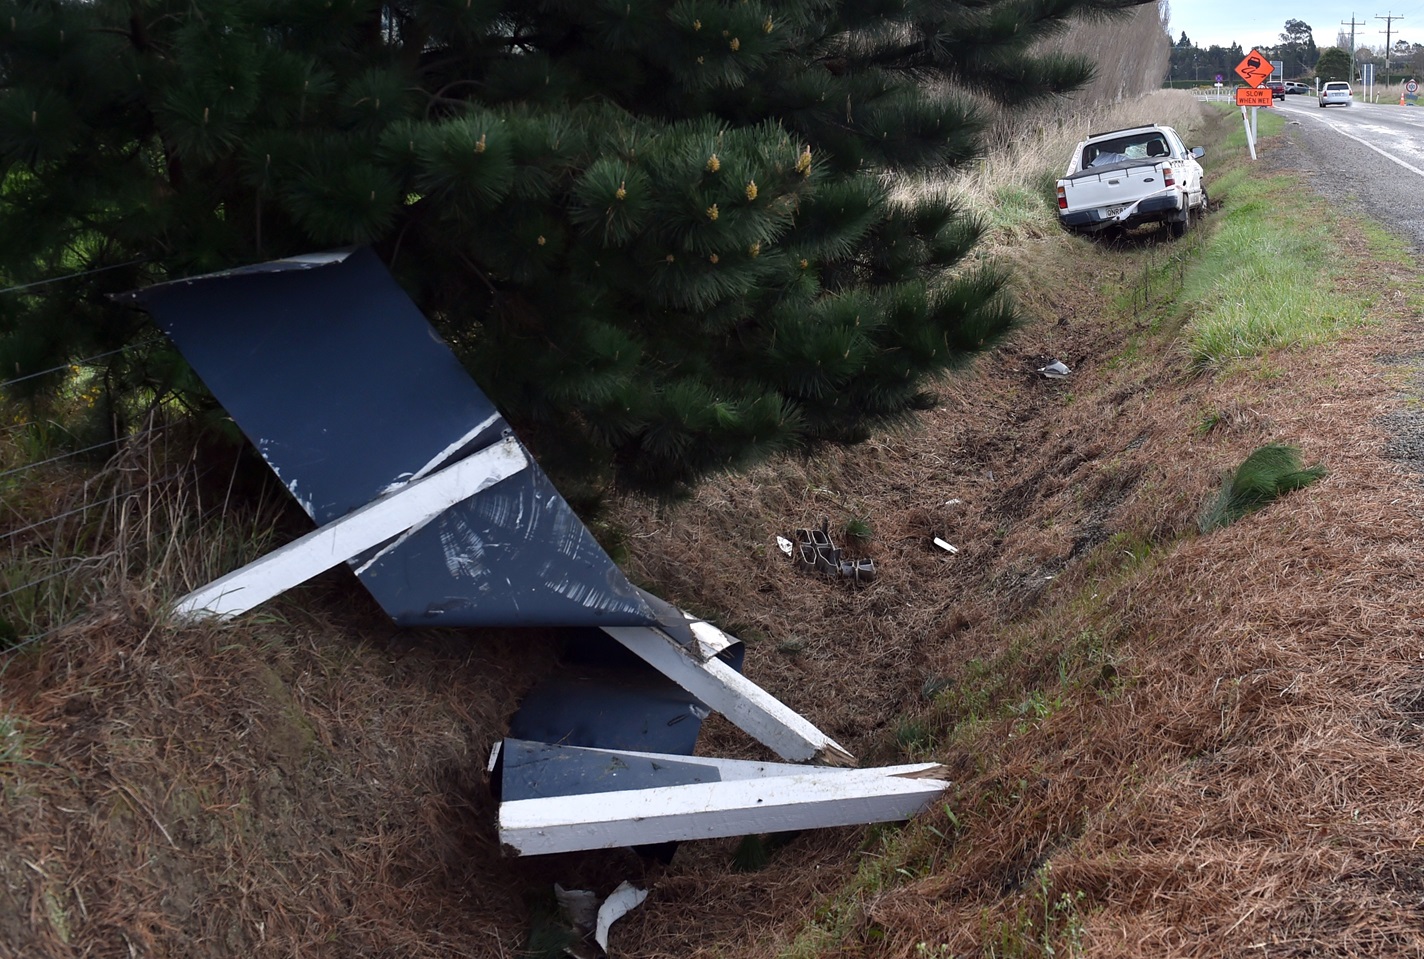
(75, 534)
(1270, 472)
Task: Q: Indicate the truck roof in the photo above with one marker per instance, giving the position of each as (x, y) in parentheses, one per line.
(1144, 127)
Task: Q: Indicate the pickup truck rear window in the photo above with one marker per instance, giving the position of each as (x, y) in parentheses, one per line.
(1139, 146)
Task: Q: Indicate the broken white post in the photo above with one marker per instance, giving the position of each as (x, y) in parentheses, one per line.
(808, 798)
(353, 534)
(720, 687)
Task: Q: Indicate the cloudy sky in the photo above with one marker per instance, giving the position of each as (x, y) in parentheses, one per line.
(1253, 23)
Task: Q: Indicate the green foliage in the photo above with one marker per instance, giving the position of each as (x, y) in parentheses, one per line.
(1269, 472)
(1266, 229)
(659, 233)
(1334, 64)
(859, 532)
(754, 853)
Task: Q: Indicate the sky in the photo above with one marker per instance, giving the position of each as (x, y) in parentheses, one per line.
(1255, 23)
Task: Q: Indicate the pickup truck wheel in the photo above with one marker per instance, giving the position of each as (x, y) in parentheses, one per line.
(1178, 228)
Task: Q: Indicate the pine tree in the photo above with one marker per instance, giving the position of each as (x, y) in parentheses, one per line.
(663, 234)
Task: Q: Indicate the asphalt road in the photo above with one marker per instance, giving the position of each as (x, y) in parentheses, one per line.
(1367, 155)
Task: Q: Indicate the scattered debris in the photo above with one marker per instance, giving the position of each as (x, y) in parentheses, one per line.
(625, 899)
(785, 545)
(945, 546)
(1055, 370)
(423, 488)
(586, 918)
(585, 798)
(579, 908)
(815, 552)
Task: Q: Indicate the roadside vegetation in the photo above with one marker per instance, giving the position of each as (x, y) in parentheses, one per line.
(1152, 753)
(1162, 741)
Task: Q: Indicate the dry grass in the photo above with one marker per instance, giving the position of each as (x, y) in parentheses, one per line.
(1215, 740)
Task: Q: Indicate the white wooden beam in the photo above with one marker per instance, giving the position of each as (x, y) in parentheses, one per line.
(337, 541)
(720, 687)
(727, 769)
(811, 798)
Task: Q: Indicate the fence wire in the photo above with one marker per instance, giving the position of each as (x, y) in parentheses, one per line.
(77, 567)
(80, 452)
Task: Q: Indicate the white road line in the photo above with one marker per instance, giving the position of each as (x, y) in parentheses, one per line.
(1388, 156)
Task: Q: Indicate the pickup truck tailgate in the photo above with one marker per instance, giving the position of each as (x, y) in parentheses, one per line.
(1111, 186)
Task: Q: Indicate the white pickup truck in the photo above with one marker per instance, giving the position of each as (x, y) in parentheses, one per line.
(1127, 177)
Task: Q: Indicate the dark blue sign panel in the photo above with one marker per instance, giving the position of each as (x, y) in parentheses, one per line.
(347, 392)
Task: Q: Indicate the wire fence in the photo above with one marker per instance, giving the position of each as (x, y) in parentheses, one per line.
(52, 280)
(73, 533)
(68, 364)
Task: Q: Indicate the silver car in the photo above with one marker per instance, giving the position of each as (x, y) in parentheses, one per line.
(1336, 91)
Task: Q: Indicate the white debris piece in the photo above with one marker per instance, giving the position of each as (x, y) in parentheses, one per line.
(1055, 370)
(624, 900)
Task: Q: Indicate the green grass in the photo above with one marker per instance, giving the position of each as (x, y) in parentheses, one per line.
(1267, 280)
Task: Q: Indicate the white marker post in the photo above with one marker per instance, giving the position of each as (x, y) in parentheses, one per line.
(1250, 130)
(1255, 69)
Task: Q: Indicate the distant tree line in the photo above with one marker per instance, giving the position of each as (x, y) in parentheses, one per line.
(1295, 48)
(1300, 57)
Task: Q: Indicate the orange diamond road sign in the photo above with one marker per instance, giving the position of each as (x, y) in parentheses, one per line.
(1248, 97)
(1255, 69)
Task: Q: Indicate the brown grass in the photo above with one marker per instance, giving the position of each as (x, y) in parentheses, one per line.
(1212, 743)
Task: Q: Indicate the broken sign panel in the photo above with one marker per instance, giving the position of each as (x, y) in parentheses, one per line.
(359, 408)
(346, 391)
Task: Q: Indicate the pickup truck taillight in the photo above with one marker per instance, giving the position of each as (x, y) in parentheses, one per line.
(1167, 177)
(1062, 198)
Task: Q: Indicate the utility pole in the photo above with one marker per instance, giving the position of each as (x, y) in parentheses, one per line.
(1352, 25)
(1388, 24)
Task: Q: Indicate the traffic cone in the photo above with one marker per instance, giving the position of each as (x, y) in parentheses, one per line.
(1401, 99)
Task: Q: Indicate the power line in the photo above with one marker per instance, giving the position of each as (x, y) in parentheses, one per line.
(1352, 25)
(1388, 26)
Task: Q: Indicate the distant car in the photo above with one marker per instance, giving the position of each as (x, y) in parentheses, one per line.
(1336, 91)
(1278, 89)
(1296, 86)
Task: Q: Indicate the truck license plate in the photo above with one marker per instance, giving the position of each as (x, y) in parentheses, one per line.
(1113, 211)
